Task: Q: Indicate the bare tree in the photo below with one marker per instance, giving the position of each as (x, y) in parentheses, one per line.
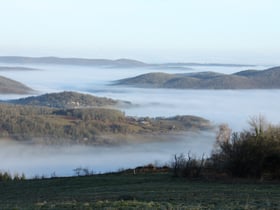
(223, 135)
(189, 166)
(258, 124)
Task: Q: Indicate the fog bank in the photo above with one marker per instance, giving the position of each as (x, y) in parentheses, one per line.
(234, 107)
(41, 160)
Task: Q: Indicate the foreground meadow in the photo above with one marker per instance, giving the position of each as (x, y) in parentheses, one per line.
(158, 190)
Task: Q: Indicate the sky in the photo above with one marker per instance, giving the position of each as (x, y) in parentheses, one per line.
(228, 31)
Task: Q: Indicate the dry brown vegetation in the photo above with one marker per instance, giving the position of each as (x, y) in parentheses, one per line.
(86, 125)
(253, 154)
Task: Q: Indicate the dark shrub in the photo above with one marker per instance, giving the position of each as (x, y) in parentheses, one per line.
(252, 153)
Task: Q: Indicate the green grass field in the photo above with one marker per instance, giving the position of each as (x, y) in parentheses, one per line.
(140, 191)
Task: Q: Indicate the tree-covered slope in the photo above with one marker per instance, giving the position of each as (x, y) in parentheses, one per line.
(85, 125)
(67, 99)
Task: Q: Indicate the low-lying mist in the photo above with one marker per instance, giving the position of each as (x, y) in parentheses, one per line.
(234, 107)
(38, 160)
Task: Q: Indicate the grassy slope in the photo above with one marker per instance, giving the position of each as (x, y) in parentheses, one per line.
(9, 86)
(266, 79)
(142, 191)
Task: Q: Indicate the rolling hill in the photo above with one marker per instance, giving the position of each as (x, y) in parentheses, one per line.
(249, 79)
(9, 86)
(67, 100)
(94, 126)
(71, 118)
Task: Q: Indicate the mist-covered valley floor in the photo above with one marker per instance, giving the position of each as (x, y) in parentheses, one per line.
(233, 107)
(48, 160)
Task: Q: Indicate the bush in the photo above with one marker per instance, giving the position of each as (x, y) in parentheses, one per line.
(189, 166)
(252, 153)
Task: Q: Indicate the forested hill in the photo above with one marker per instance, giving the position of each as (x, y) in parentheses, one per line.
(67, 99)
(97, 126)
(9, 86)
(250, 79)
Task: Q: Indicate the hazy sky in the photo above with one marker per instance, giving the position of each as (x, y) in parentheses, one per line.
(242, 31)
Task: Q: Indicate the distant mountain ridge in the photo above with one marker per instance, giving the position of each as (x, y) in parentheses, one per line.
(16, 68)
(207, 64)
(72, 61)
(123, 62)
(249, 79)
